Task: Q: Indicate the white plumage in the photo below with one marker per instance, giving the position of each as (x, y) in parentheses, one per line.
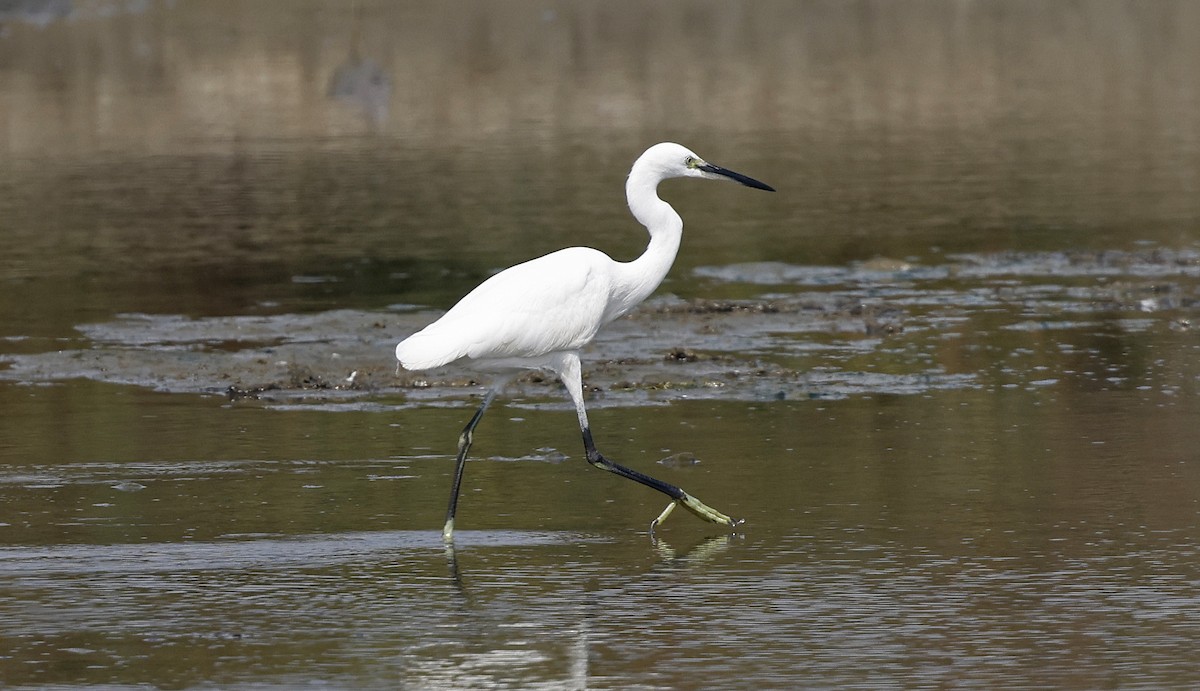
(563, 294)
(538, 314)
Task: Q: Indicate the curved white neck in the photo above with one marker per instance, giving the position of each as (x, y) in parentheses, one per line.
(638, 278)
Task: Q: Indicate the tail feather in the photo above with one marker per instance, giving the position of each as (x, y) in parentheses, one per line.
(423, 350)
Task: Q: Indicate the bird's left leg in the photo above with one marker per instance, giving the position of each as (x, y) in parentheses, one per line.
(460, 462)
(569, 371)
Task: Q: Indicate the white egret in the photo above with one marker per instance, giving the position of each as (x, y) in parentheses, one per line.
(537, 315)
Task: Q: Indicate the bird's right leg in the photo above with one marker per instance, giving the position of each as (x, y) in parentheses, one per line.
(569, 372)
(464, 445)
(680, 497)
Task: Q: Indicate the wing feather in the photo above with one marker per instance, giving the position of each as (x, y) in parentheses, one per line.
(552, 303)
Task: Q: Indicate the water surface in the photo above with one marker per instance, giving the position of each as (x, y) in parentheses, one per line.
(947, 374)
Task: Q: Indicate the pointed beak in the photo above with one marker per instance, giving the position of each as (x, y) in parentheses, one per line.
(744, 179)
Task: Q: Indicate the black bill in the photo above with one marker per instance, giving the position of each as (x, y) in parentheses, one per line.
(744, 179)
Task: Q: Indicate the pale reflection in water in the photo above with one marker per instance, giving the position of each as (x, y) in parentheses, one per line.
(555, 609)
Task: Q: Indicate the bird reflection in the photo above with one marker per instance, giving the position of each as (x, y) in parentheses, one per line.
(480, 620)
(455, 575)
(700, 552)
(498, 634)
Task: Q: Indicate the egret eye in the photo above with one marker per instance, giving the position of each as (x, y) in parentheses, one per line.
(690, 162)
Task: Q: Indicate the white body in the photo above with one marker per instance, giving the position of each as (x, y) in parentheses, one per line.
(527, 314)
(540, 313)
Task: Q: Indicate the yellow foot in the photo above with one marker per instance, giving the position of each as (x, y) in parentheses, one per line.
(663, 516)
(448, 531)
(697, 507)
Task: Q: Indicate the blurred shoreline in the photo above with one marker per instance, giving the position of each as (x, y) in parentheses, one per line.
(80, 78)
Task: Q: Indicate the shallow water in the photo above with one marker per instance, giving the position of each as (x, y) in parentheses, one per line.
(948, 374)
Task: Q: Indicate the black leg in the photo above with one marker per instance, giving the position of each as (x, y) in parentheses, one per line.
(464, 445)
(567, 367)
(679, 497)
(595, 458)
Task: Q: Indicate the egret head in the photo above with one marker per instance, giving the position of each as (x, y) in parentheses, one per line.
(671, 160)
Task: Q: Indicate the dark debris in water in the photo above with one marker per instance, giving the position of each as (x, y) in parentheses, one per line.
(880, 327)
(702, 306)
